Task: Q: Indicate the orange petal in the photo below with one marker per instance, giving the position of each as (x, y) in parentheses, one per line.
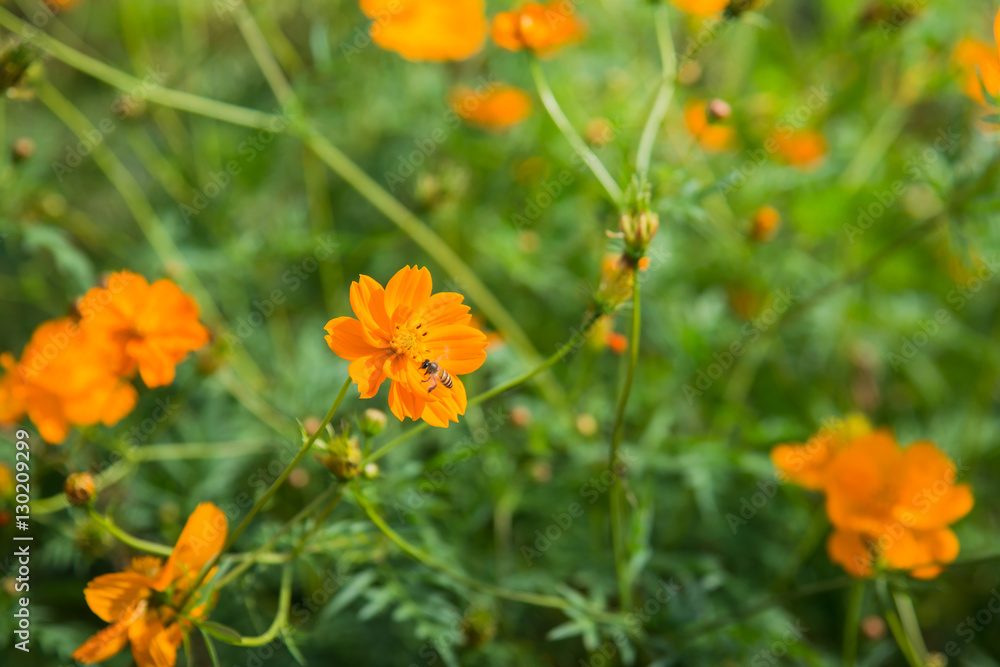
(409, 287)
(848, 549)
(141, 634)
(368, 302)
(163, 648)
(111, 596)
(442, 309)
(459, 349)
(111, 639)
(928, 497)
(368, 373)
(347, 339)
(200, 540)
(805, 464)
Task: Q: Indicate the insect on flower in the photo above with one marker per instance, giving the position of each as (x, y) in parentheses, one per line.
(414, 338)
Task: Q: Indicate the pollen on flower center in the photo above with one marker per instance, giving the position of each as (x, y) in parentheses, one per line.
(407, 341)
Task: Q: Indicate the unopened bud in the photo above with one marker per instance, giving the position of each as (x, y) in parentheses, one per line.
(718, 111)
(764, 224)
(23, 149)
(79, 488)
(638, 228)
(371, 470)
(372, 422)
(342, 457)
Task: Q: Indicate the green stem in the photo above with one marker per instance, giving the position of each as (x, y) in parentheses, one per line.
(419, 554)
(617, 495)
(252, 557)
(575, 140)
(125, 538)
(659, 111)
(895, 625)
(280, 618)
(266, 61)
(853, 622)
(911, 624)
(257, 506)
(118, 79)
(570, 345)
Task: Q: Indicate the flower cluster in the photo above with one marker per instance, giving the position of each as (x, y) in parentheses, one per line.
(891, 506)
(76, 371)
(150, 604)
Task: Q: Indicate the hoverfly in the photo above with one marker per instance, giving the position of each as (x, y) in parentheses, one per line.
(435, 374)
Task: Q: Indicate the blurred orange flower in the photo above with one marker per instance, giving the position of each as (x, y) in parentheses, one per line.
(890, 506)
(152, 327)
(66, 376)
(141, 602)
(711, 132)
(436, 30)
(501, 107)
(764, 223)
(802, 149)
(539, 28)
(701, 7)
(976, 59)
(397, 330)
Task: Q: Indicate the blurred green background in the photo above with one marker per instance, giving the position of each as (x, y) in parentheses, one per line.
(881, 91)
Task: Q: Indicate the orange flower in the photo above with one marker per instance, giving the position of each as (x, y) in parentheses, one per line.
(141, 603)
(436, 30)
(806, 464)
(542, 29)
(501, 107)
(975, 59)
(711, 134)
(701, 7)
(618, 342)
(66, 376)
(799, 148)
(764, 223)
(890, 507)
(397, 330)
(152, 327)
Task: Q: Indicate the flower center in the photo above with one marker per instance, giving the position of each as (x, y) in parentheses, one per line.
(408, 341)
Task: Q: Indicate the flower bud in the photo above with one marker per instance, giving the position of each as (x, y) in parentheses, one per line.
(371, 470)
(638, 228)
(79, 488)
(22, 149)
(617, 283)
(342, 457)
(372, 422)
(718, 111)
(764, 224)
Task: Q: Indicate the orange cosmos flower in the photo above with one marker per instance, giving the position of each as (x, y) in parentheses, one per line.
(436, 30)
(890, 506)
(542, 29)
(501, 107)
(141, 602)
(764, 223)
(710, 130)
(66, 376)
(152, 327)
(975, 59)
(806, 464)
(802, 149)
(397, 330)
(701, 7)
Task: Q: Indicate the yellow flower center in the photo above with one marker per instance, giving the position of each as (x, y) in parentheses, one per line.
(409, 341)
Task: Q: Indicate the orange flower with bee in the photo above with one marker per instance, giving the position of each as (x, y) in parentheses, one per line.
(419, 341)
(141, 603)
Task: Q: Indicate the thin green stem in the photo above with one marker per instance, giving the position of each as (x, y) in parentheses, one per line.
(280, 617)
(666, 93)
(895, 625)
(419, 554)
(252, 557)
(572, 344)
(210, 645)
(617, 495)
(575, 140)
(125, 538)
(257, 506)
(852, 622)
(911, 624)
(262, 53)
(118, 79)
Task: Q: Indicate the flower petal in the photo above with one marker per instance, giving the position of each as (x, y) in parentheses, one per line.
(459, 349)
(368, 374)
(111, 596)
(848, 549)
(368, 302)
(409, 287)
(200, 540)
(347, 339)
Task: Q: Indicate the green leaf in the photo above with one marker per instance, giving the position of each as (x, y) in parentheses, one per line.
(221, 631)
